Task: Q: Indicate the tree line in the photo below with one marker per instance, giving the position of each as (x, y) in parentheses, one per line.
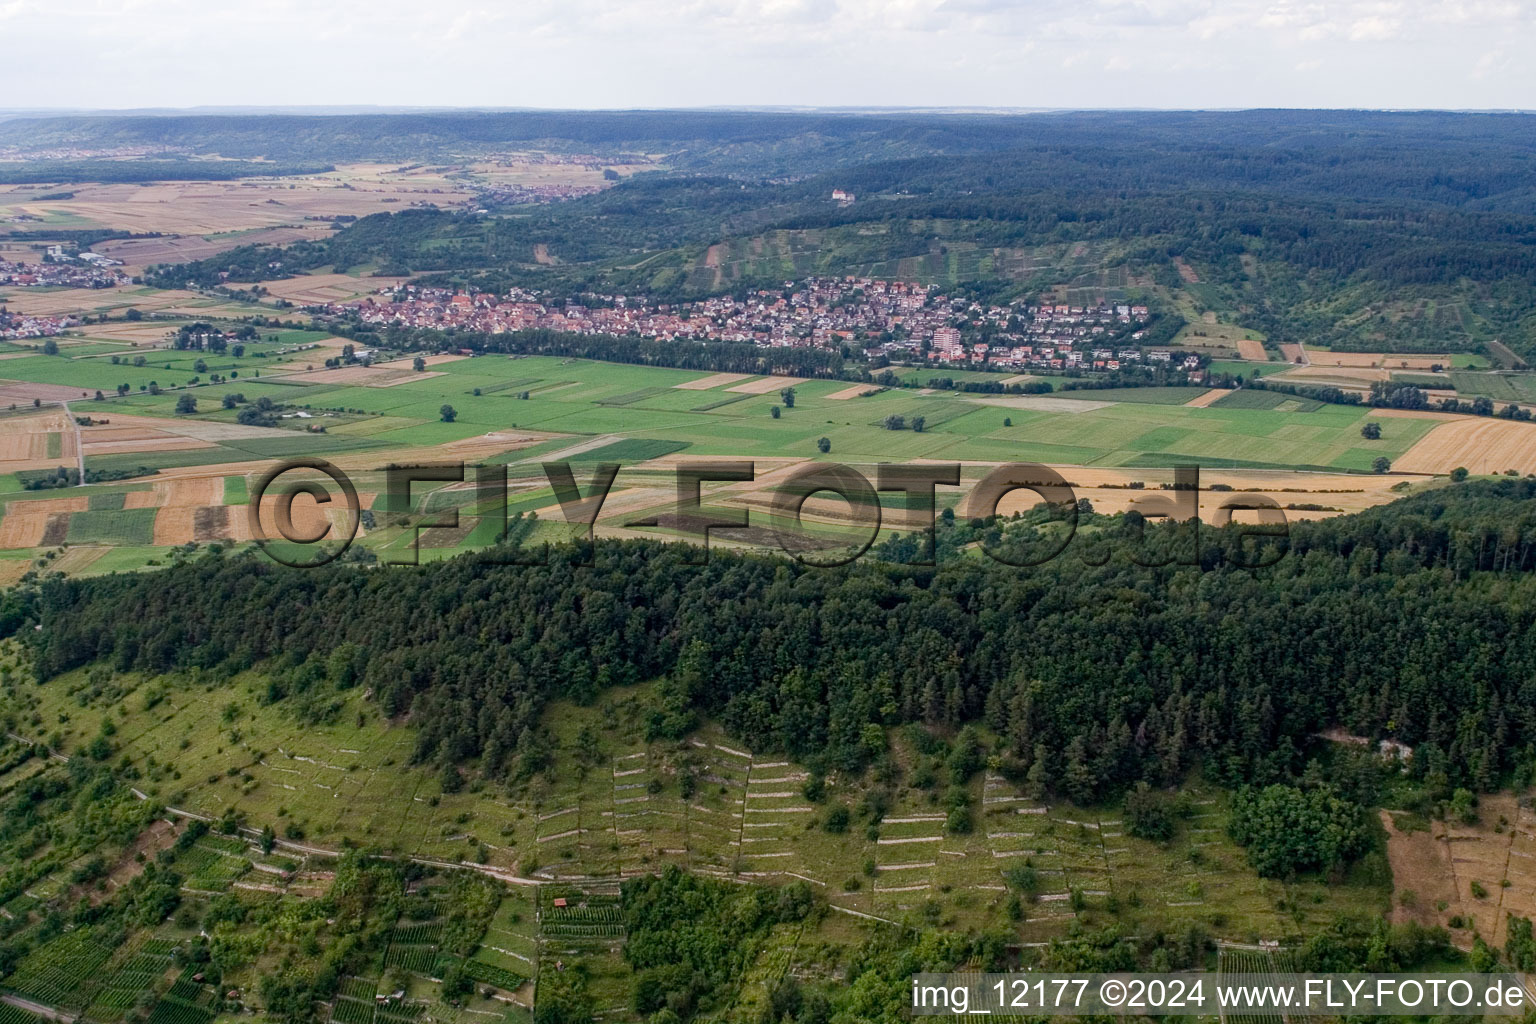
(1411, 622)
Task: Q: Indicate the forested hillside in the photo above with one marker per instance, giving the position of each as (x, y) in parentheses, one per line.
(1413, 622)
(1410, 232)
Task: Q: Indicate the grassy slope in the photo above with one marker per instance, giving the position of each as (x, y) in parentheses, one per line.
(611, 803)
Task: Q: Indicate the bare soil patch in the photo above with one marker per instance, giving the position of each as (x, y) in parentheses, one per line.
(55, 530)
(1457, 870)
(1421, 865)
(211, 523)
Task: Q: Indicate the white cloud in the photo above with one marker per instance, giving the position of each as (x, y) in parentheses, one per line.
(586, 53)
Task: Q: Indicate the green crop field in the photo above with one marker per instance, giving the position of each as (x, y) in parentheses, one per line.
(1146, 396)
(588, 412)
(1250, 398)
(135, 526)
(643, 404)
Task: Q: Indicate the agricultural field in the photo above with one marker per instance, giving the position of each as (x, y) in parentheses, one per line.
(194, 470)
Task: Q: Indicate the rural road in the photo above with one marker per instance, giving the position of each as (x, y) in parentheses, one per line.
(47, 1012)
(484, 869)
(79, 444)
(575, 449)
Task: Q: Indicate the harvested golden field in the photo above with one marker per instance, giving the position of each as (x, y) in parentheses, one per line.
(1109, 492)
(766, 385)
(409, 378)
(1387, 360)
(168, 443)
(316, 289)
(16, 392)
(21, 447)
(714, 380)
(350, 375)
(24, 439)
(202, 430)
(493, 443)
(1359, 376)
(1201, 401)
(1250, 349)
(29, 530)
(206, 208)
(853, 392)
(44, 506)
(113, 439)
(13, 569)
(1480, 444)
(63, 301)
(140, 333)
(141, 252)
(173, 526)
(409, 362)
(181, 492)
(309, 516)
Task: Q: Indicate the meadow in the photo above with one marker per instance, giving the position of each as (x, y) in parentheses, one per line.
(588, 398)
(518, 411)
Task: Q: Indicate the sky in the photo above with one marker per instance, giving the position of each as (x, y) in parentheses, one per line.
(1454, 54)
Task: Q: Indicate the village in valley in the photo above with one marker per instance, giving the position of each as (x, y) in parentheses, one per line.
(895, 320)
(62, 269)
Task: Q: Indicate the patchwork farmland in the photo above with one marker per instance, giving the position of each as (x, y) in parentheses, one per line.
(517, 411)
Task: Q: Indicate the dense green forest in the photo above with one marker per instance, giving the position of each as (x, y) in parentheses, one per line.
(1413, 621)
(1475, 158)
